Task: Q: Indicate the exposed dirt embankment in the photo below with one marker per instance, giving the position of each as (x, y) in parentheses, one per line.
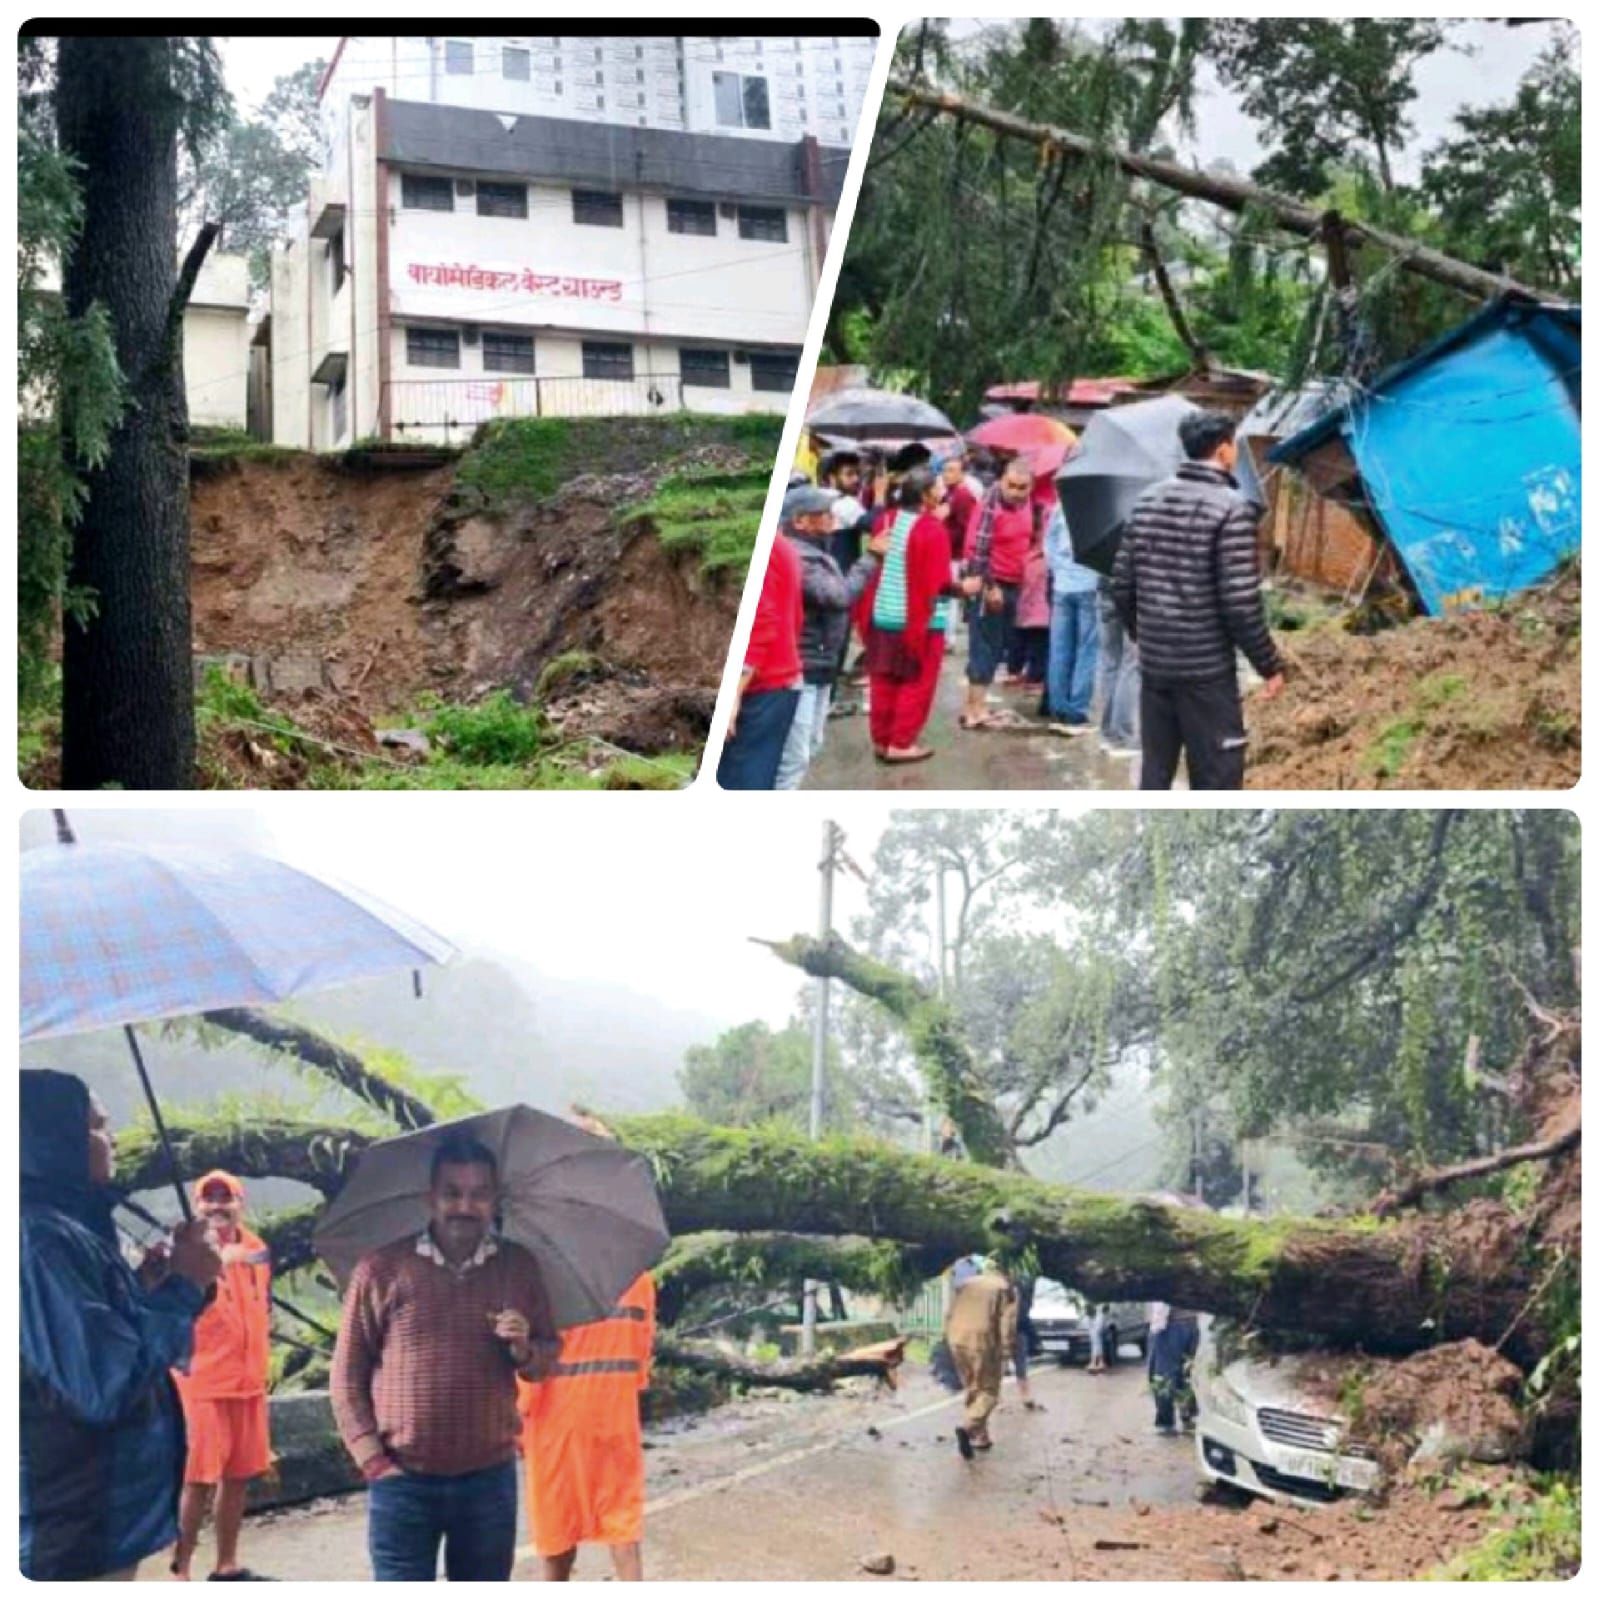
(1489, 699)
(363, 585)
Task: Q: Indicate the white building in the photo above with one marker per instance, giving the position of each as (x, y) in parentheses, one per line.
(216, 339)
(558, 226)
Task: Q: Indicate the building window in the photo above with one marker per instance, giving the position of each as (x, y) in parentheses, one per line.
(597, 208)
(516, 64)
(458, 57)
(742, 100)
(773, 371)
(501, 199)
(433, 347)
(705, 369)
(610, 360)
(691, 216)
(507, 352)
(337, 399)
(426, 194)
(768, 223)
(336, 261)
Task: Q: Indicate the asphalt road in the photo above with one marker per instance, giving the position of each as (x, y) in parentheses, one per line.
(806, 1487)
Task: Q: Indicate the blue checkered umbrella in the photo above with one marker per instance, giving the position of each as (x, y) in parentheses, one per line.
(114, 934)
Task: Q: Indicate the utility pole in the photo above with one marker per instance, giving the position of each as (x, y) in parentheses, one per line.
(832, 838)
(941, 933)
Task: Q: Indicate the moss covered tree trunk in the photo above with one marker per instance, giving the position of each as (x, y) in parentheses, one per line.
(1389, 1286)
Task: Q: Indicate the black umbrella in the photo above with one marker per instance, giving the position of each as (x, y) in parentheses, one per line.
(877, 414)
(1123, 450)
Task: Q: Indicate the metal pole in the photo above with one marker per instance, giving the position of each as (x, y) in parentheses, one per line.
(943, 993)
(824, 931)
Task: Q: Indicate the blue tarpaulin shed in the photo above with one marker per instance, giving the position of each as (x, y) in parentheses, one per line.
(1470, 452)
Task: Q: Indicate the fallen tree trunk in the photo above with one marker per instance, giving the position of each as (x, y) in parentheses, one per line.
(806, 1376)
(932, 1029)
(1220, 189)
(698, 1262)
(1389, 1286)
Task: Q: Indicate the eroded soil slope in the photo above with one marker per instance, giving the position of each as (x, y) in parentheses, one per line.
(1489, 699)
(365, 585)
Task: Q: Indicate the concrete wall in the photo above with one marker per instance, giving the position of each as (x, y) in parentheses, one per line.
(639, 278)
(216, 365)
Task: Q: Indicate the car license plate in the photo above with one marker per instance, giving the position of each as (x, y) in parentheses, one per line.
(1344, 1471)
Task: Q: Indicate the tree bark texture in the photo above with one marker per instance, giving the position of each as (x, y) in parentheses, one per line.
(127, 673)
(1389, 1286)
(932, 1029)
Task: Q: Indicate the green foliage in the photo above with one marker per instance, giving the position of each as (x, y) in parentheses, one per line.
(70, 391)
(252, 172)
(1508, 187)
(1542, 1543)
(494, 732)
(752, 1075)
(569, 666)
(1321, 88)
(515, 461)
(716, 515)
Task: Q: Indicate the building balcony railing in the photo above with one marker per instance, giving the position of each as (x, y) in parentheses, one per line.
(446, 410)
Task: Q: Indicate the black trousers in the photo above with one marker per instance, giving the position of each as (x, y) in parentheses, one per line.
(1205, 722)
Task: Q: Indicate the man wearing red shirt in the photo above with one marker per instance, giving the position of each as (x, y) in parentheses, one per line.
(961, 500)
(769, 681)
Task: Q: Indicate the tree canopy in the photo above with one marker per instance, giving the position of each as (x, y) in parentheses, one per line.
(1060, 265)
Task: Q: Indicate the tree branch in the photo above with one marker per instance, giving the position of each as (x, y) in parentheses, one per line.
(1229, 193)
(1430, 1182)
(346, 1068)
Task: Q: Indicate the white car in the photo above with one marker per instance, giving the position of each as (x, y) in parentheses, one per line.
(1259, 1430)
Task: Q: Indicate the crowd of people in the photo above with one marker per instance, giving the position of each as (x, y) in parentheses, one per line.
(895, 551)
(144, 1383)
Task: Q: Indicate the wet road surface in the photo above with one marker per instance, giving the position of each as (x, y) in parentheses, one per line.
(990, 759)
(805, 1487)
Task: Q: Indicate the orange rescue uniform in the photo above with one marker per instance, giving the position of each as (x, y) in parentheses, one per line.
(224, 1391)
(581, 1436)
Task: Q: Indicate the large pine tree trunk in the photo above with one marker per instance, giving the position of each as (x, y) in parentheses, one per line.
(127, 678)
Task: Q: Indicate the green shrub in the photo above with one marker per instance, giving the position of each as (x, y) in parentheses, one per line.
(495, 732)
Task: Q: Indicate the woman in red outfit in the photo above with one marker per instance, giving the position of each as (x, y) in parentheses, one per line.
(905, 602)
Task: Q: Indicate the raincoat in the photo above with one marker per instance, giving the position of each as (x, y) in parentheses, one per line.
(101, 1431)
(581, 1436)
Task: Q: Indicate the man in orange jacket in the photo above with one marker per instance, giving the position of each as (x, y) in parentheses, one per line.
(224, 1390)
(583, 1442)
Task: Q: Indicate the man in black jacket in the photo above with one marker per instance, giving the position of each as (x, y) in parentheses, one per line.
(809, 521)
(1187, 587)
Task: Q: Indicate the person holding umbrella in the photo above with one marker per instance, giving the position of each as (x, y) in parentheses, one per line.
(101, 1431)
(437, 1327)
(1187, 585)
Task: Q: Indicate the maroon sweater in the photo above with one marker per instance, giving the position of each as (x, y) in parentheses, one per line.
(418, 1373)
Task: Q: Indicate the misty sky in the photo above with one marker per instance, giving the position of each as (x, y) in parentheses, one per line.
(1499, 57)
(661, 895)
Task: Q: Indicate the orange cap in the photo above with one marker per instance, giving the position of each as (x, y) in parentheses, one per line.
(226, 1178)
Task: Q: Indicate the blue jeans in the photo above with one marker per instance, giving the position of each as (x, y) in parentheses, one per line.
(409, 1515)
(1073, 655)
(750, 759)
(1118, 679)
(805, 734)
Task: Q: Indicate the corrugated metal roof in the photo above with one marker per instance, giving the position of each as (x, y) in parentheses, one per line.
(604, 155)
(1506, 309)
